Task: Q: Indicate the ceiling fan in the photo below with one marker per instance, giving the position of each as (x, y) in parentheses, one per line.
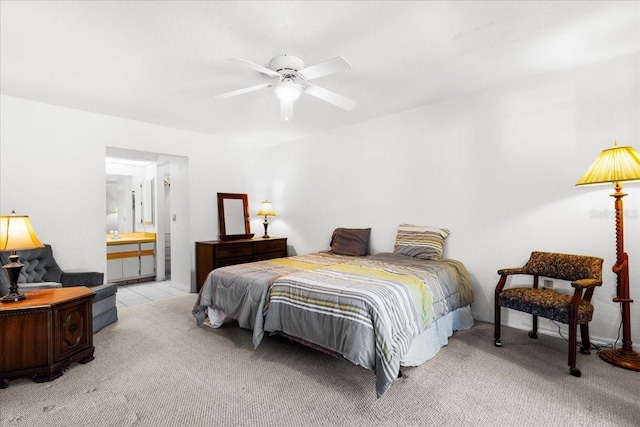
(289, 78)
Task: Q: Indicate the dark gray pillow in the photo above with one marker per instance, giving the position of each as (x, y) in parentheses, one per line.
(350, 241)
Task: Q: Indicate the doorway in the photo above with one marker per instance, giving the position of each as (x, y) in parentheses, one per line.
(148, 192)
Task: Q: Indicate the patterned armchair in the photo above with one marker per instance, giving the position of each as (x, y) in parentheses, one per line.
(584, 273)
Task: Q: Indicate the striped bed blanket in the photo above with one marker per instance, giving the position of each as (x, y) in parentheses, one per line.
(239, 291)
(368, 310)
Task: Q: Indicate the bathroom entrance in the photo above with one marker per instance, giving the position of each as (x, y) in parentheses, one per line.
(147, 198)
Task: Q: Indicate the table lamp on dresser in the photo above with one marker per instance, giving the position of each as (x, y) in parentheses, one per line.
(266, 209)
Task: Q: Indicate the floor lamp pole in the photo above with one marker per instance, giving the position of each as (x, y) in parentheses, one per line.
(623, 357)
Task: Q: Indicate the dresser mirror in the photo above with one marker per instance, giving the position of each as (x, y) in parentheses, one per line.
(233, 216)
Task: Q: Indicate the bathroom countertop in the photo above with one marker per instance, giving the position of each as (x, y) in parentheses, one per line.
(126, 238)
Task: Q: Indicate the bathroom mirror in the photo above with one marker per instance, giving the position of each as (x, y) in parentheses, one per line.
(147, 202)
(233, 216)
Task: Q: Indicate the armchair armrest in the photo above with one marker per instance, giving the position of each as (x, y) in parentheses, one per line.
(91, 278)
(586, 283)
(510, 271)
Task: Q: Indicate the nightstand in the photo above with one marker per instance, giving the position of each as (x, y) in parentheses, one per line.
(45, 333)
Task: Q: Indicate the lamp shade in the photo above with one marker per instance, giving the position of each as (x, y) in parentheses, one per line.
(17, 234)
(615, 164)
(266, 209)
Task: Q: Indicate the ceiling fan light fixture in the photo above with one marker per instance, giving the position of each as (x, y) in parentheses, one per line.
(288, 90)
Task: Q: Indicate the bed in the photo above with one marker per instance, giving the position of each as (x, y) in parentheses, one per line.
(380, 312)
(239, 291)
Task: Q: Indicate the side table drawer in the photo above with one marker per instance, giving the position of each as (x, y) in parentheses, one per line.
(234, 251)
(73, 328)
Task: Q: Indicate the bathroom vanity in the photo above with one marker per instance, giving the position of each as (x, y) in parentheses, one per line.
(131, 258)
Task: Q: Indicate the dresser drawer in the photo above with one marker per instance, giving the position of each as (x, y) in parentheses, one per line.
(234, 251)
(264, 257)
(233, 261)
(269, 247)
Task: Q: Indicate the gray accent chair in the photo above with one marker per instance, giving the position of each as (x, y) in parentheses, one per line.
(42, 271)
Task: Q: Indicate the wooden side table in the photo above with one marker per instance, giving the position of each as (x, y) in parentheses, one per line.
(45, 333)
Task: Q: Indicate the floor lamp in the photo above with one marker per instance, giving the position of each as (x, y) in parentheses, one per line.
(615, 165)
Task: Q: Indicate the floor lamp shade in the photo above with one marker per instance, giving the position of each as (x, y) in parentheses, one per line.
(16, 233)
(615, 165)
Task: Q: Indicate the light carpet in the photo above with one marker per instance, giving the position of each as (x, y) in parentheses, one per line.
(155, 367)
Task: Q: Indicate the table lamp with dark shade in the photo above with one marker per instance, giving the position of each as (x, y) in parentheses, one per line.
(266, 209)
(16, 234)
(615, 165)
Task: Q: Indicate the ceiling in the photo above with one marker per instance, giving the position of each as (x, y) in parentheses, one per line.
(163, 62)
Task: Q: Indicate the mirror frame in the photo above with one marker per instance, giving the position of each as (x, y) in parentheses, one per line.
(221, 218)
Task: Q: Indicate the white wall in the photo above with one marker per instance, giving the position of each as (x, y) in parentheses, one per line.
(497, 168)
(52, 168)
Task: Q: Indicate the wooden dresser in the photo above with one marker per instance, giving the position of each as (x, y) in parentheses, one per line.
(45, 333)
(213, 254)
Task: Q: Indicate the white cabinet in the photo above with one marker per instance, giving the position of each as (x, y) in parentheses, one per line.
(131, 262)
(147, 259)
(114, 269)
(130, 267)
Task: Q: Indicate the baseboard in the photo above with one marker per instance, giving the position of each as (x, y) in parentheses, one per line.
(552, 332)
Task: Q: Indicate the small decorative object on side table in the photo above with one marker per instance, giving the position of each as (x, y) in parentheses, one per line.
(45, 333)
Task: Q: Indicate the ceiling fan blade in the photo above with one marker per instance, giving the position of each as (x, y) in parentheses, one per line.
(330, 97)
(241, 91)
(325, 68)
(263, 70)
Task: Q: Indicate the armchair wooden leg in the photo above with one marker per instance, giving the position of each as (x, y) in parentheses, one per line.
(496, 326)
(534, 333)
(573, 343)
(497, 310)
(585, 348)
(496, 322)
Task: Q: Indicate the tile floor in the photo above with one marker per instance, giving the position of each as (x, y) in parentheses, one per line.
(140, 293)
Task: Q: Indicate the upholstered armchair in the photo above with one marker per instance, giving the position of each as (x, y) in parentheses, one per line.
(584, 273)
(42, 271)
